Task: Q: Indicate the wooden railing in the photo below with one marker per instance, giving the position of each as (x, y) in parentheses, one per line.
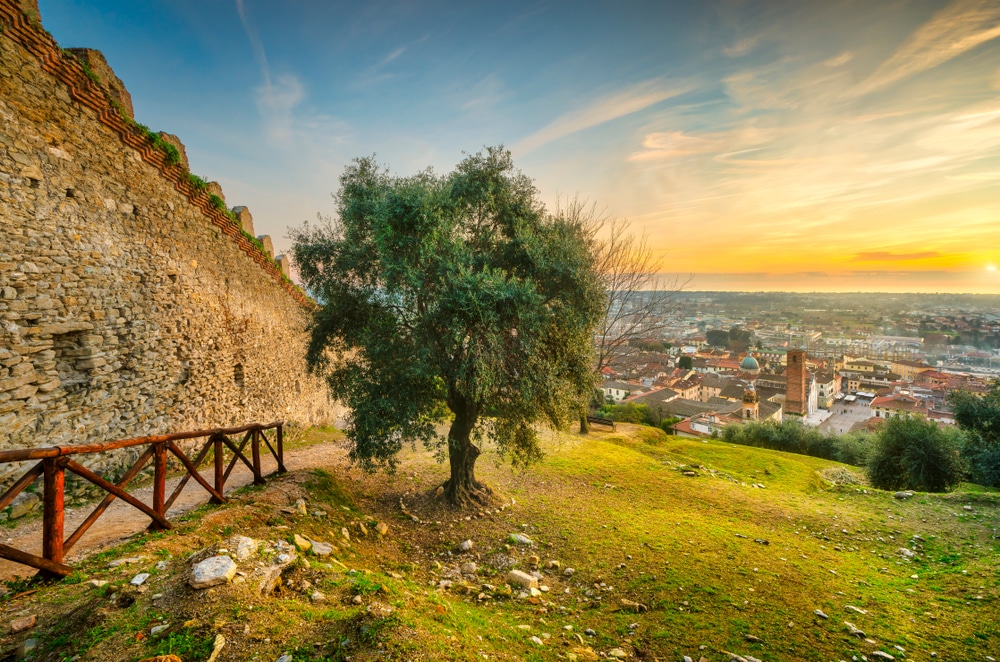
(56, 460)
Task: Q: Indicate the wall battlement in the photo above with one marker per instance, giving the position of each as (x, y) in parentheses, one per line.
(128, 304)
(68, 68)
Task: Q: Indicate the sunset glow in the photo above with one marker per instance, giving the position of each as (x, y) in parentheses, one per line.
(760, 145)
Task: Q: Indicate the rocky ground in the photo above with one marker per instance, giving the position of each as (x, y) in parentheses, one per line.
(618, 546)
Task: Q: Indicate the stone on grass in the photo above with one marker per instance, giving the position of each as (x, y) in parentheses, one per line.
(245, 547)
(220, 642)
(23, 623)
(157, 629)
(520, 539)
(466, 545)
(300, 507)
(284, 658)
(118, 562)
(321, 548)
(902, 495)
(521, 579)
(213, 571)
(569, 572)
(820, 613)
(317, 596)
(469, 568)
(301, 543)
(881, 655)
(27, 648)
(617, 654)
(382, 528)
(854, 631)
(139, 579)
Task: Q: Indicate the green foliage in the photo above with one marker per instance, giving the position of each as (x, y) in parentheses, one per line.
(915, 454)
(792, 437)
(364, 585)
(718, 337)
(979, 417)
(685, 363)
(631, 412)
(455, 289)
(197, 182)
(216, 202)
(185, 644)
(646, 345)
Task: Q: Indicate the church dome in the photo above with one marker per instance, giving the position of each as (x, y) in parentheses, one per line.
(749, 364)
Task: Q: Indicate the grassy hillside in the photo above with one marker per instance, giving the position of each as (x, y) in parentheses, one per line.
(733, 559)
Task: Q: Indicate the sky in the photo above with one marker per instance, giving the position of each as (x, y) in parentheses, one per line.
(809, 146)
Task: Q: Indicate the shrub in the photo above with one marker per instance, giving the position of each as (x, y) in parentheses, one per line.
(979, 416)
(791, 437)
(915, 454)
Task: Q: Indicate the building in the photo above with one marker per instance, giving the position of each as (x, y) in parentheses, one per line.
(796, 393)
(615, 391)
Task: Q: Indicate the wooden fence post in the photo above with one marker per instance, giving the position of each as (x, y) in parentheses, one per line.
(281, 451)
(52, 509)
(258, 473)
(220, 469)
(159, 482)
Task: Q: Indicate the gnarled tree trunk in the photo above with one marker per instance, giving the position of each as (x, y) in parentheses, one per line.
(462, 489)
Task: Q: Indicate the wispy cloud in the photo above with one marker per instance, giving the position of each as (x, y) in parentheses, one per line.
(886, 256)
(959, 27)
(634, 99)
(741, 47)
(279, 102)
(393, 55)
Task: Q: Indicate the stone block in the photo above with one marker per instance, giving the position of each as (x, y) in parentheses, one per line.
(95, 60)
(265, 239)
(521, 579)
(215, 188)
(245, 219)
(176, 142)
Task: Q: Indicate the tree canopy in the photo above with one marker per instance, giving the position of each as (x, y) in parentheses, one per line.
(455, 293)
(979, 416)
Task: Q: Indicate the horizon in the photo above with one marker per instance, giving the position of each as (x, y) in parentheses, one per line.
(767, 146)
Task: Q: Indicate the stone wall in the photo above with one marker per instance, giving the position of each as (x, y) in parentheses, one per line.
(128, 305)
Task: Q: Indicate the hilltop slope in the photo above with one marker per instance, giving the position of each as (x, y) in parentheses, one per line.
(666, 564)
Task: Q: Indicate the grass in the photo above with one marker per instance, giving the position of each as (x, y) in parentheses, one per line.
(714, 557)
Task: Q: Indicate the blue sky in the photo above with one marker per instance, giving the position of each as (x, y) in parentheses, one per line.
(760, 145)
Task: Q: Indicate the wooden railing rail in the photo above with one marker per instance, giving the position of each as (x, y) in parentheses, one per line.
(55, 460)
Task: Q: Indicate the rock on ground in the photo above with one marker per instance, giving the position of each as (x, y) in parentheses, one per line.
(213, 571)
(521, 579)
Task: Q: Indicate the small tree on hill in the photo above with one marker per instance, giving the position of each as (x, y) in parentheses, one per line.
(451, 293)
(915, 454)
(638, 299)
(979, 416)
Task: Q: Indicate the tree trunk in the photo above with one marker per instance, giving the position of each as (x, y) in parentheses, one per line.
(462, 489)
(584, 426)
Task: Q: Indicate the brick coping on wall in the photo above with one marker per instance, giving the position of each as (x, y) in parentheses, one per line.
(17, 27)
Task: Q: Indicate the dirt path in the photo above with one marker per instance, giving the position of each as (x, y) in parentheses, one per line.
(121, 520)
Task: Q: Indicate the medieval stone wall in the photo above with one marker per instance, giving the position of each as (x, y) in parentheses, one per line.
(128, 306)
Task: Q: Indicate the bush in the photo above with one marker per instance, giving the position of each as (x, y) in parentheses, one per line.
(915, 454)
(791, 437)
(979, 416)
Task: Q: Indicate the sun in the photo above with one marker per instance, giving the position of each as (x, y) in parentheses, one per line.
(991, 267)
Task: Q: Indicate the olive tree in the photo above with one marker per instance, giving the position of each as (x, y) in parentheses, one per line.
(450, 295)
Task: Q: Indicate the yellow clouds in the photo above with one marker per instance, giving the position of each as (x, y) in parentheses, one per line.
(959, 27)
(604, 109)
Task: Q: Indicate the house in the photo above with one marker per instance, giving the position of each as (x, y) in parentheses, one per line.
(711, 386)
(615, 391)
(898, 404)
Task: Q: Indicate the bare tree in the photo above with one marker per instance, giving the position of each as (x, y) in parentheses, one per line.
(639, 297)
